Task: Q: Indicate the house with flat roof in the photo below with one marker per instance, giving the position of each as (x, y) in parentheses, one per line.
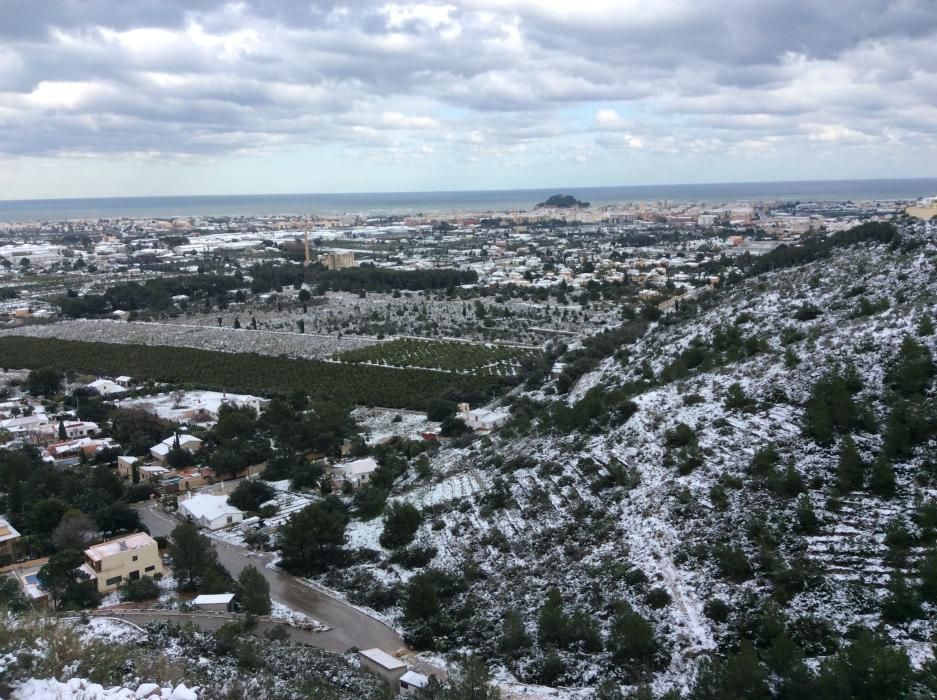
(388, 668)
(357, 473)
(8, 538)
(124, 559)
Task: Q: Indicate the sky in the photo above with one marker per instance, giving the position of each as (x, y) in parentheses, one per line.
(171, 97)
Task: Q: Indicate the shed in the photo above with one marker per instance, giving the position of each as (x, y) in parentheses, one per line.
(381, 664)
(216, 602)
(411, 682)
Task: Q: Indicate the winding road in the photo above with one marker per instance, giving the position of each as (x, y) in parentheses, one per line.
(349, 626)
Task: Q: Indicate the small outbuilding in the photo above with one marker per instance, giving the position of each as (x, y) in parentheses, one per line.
(379, 663)
(215, 602)
(411, 682)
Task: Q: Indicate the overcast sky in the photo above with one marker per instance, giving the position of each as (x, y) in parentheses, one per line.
(128, 97)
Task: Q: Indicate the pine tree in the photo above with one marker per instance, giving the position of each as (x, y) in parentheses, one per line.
(514, 636)
(882, 478)
(254, 592)
(552, 625)
(401, 521)
(736, 398)
(850, 472)
(631, 638)
(927, 570)
(902, 603)
(553, 668)
(807, 522)
(738, 677)
(925, 326)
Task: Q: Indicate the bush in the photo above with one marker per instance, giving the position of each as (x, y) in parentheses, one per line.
(401, 522)
(657, 598)
(144, 588)
(716, 610)
(413, 557)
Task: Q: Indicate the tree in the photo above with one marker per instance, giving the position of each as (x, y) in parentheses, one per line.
(925, 326)
(902, 603)
(807, 522)
(421, 600)
(192, 553)
(850, 471)
(552, 623)
(44, 381)
(739, 677)
(913, 370)
(136, 429)
(631, 638)
(882, 478)
(250, 494)
(75, 531)
(927, 570)
(401, 521)
(453, 427)
(439, 409)
(471, 682)
(736, 398)
(514, 635)
(313, 538)
(254, 592)
(553, 668)
(45, 515)
(60, 576)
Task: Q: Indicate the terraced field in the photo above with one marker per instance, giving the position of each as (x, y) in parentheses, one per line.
(448, 356)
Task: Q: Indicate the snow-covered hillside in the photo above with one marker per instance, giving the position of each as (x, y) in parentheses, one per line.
(703, 507)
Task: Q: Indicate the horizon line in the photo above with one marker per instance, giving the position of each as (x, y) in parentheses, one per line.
(453, 191)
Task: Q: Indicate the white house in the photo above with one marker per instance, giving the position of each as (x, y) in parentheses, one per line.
(106, 387)
(186, 442)
(78, 429)
(481, 419)
(357, 473)
(210, 512)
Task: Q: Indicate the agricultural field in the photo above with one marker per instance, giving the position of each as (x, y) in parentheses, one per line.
(449, 356)
(366, 385)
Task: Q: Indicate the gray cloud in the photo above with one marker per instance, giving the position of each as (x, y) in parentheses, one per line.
(204, 78)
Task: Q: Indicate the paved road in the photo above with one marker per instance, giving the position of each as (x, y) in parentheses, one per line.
(349, 626)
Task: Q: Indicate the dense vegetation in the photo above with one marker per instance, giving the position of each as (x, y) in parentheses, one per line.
(153, 295)
(268, 277)
(257, 374)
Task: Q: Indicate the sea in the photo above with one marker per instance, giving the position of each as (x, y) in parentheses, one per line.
(479, 201)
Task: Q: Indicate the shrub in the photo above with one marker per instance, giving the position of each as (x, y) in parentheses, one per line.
(401, 522)
(144, 588)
